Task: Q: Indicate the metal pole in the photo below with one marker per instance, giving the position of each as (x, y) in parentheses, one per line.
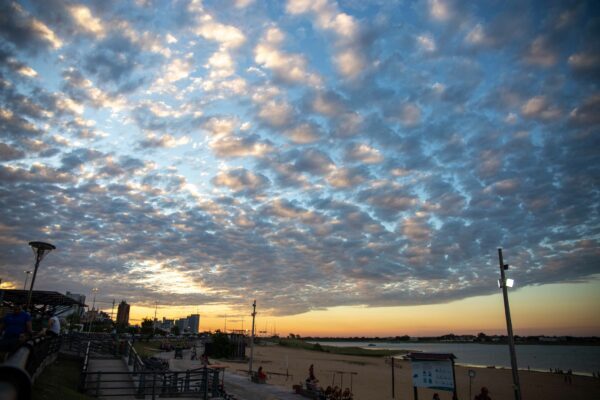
(38, 258)
(393, 383)
(26, 279)
(511, 340)
(93, 305)
(252, 339)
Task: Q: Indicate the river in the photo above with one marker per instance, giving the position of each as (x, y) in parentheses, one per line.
(582, 360)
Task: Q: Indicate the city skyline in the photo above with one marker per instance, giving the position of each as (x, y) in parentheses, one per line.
(352, 166)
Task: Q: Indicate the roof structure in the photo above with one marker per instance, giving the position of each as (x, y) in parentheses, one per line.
(43, 302)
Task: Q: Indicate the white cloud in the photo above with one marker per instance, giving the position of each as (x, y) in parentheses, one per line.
(540, 53)
(227, 35)
(86, 21)
(410, 115)
(178, 69)
(426, 42)
(440, 10)
(290, 68)
(277, 114)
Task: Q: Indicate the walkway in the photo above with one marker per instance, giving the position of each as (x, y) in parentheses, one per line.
(108, 388)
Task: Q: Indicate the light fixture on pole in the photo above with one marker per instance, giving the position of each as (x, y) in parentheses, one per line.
(40, 249)
(504, 284)
(27, 273)
(252, 339)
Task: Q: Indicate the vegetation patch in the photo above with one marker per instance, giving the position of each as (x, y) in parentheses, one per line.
(59, 381)
(347, 351)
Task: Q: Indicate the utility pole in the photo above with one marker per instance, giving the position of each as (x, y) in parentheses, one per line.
(252, 339)
(26, 279)
(511, 340)
(93, 316)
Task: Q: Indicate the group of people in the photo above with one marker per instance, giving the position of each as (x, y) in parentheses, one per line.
(16, 328)
(330, 393)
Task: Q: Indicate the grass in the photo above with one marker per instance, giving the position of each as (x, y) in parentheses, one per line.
(347, 351)
(59, 381)
(146, 349)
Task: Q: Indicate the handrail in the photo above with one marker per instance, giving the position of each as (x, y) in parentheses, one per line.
(21, 368)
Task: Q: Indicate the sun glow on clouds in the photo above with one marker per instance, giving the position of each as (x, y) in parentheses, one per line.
(322, 154)
(162, 277)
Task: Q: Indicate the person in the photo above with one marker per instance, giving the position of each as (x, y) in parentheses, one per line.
(16, 327)
(311, 381)
(436, 396)
(483, 395)
(53, 326)
(261, 374)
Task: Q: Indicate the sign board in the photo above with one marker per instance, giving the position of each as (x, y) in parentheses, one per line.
(433, 374)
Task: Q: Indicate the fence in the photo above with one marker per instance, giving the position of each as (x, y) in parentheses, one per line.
(139, 381)
(24, 365)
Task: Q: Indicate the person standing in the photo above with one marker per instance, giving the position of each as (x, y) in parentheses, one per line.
(16, 327)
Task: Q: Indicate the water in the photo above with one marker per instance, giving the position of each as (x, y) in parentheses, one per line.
(581, 359)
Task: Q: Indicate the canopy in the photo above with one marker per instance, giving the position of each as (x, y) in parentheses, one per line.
(43, 302)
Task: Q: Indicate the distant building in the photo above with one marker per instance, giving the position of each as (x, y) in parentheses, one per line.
(76, 309)
(193, 322)
(181, 323)
(123, 313)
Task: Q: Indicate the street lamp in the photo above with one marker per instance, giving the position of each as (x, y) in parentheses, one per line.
(26, 279)
(252, 339)
(40, 249)
(93, 316)
(504, 284)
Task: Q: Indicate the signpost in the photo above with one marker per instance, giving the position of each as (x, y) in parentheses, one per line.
(433, 371)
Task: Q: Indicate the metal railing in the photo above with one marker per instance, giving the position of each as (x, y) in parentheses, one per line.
(25, 364)
(140, 381)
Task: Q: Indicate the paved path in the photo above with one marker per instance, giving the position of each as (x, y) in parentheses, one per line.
(109, 388)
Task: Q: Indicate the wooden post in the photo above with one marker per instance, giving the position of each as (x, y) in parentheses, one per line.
(416, 393)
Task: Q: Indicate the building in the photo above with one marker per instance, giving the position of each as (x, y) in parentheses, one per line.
(76, 309)
(123, 313)
(181, 323)
(193, 322)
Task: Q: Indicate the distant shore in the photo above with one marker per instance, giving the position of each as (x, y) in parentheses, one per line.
(370, 377)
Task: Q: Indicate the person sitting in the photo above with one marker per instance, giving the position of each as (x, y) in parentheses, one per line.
(483, 395)
(262, 377)
(311, 381)
(53, 327)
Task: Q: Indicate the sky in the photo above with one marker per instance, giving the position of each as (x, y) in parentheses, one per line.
(354, 166)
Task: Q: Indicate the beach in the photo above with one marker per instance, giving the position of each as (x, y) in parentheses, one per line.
(371, 377)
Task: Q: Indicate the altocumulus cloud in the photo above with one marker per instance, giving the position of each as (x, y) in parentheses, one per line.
(306, 154)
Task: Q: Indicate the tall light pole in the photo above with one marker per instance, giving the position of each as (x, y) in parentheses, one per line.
(95, 290)
(252, 339)
(27, 273)
(40, 249)
(511, 341)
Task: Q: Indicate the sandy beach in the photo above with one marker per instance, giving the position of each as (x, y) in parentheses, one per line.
(372, 377)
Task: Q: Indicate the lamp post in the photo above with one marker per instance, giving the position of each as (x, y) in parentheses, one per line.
(93, 316)
(26, 279)
(40, 249)
(252, 340)
(504, 283)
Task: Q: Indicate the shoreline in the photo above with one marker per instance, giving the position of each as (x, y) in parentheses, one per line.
(371, 376)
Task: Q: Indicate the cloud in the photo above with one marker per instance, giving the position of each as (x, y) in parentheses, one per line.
(289, 68)
(241, 180)
(83, 18)
(24, 31)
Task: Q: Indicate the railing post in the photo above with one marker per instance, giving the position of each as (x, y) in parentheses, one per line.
(154, 386)
(205, 382)
(98, 376)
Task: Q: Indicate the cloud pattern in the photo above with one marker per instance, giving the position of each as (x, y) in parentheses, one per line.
(307, 154)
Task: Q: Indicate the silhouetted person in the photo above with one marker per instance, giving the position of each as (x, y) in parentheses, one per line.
(16, 327)
(436, 396)
(483, 395)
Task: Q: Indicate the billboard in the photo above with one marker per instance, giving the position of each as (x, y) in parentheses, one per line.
(433, 374)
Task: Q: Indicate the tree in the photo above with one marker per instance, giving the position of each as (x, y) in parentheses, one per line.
(147, 326)
(221, 345)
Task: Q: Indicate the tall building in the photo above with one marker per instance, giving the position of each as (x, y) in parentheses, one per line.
(193, 322)
(123, 313)
(181, 323)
